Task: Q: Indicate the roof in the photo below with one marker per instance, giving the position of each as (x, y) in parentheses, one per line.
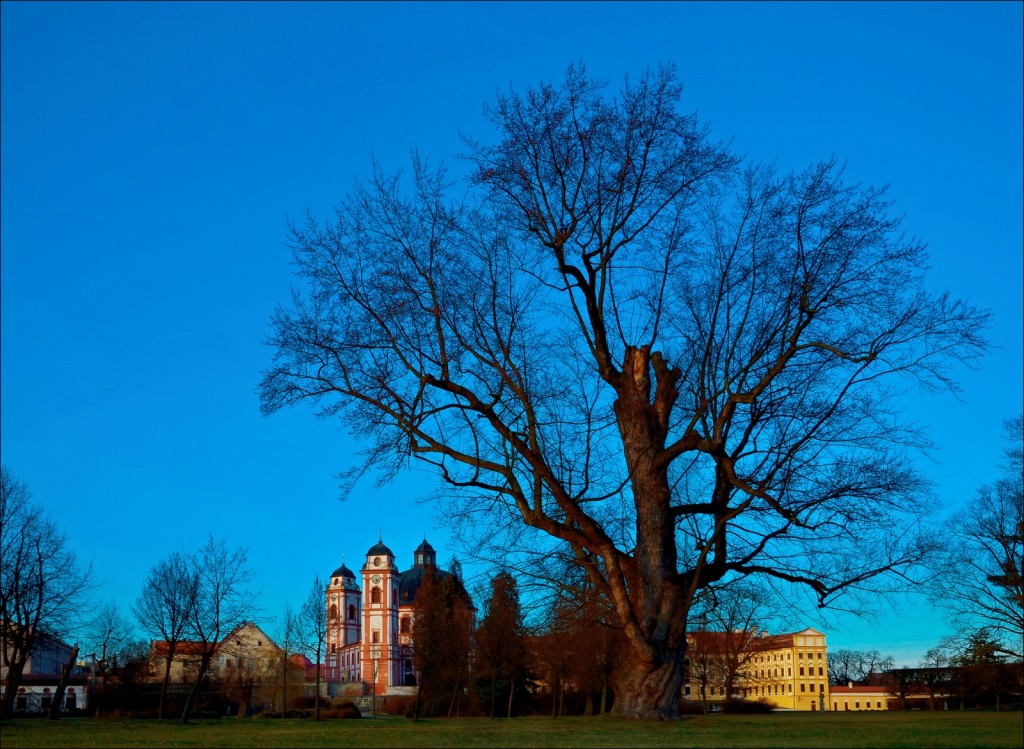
(344, 571)
(184, 647)
(379, 549)
(409, 583)
(856, 689)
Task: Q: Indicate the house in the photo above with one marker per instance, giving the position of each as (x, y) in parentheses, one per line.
(41, 677)
(790, 670)
(247, 652)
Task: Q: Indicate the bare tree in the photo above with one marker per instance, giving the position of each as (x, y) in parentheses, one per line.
(312, 624)
(733, 616)
(106, 637)
(682, 370)
(42, 586)
(934, 672)
(289, 642)
(981, 583)
(165, 608)
(222, 601)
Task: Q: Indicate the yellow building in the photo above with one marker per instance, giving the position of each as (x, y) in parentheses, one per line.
(790, 670)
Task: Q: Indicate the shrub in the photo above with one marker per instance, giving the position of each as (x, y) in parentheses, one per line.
(342, 711)
(747, 707)
(690, 707)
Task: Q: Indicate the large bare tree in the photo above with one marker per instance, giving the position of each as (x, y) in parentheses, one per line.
(682, 368)
(43, 589)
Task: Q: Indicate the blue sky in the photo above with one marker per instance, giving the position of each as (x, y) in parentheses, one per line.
(152, 154)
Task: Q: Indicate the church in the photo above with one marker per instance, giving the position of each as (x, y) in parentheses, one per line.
(369, 622)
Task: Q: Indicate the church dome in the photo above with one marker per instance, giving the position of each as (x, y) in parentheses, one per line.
(343, 571)
(379, 549)
(410, 582)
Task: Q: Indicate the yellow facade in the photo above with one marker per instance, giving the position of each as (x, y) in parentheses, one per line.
(789, 670)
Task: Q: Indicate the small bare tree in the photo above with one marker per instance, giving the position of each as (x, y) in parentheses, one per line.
(42, 586)
(165, 608)
(106, 637)
(981, 582)
(312, 624)
(221, 602)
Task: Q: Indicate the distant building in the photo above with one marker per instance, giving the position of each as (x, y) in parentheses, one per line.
(790, 671)
(857, 697)
(41, 676)
(369, 628)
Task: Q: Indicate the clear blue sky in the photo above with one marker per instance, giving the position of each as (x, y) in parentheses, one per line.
(153, 152)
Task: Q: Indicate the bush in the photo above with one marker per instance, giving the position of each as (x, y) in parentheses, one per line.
(342, 711)
(690, 707)
(746, 707)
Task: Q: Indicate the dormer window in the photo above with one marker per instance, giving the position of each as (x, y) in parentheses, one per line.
(419, 559)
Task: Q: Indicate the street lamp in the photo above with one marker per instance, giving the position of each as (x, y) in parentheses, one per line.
(375, 658)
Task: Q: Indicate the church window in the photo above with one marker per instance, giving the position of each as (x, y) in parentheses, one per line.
(376, 636)
(334, 611)
(375, 595)
(406, 625)
(352, 611)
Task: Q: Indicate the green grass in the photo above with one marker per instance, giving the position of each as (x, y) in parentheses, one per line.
(957, 730)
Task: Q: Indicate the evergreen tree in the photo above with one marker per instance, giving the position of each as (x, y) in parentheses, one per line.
(441, 628)
(502, 657)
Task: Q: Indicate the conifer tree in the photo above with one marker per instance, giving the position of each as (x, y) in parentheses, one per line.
(501, 643)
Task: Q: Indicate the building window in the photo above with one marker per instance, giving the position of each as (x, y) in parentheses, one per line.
(376, 636)
(406, 625)
(334, 611)
(821, 671)
(803, 687)
(801, 670)
(857, 704)
(352, 611)
(879, 704)
(811, 687)
(375, 595)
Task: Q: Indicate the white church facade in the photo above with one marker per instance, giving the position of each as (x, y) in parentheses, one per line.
(369, 621)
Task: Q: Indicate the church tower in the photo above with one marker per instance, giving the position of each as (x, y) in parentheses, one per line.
(379, 652)
(343, 610)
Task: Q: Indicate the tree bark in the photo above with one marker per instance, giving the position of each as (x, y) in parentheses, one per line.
(650, 691)
(204, 664)
(58, 696)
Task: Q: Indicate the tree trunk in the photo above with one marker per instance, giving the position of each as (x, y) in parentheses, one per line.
(204, 663)
(455, 696)
(511, 695)
(11, 687)
(163, 685)
(316, 709)
(604, 693)
(58, 696)
(649, 692)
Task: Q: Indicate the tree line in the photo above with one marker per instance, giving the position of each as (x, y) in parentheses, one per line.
(574, 653)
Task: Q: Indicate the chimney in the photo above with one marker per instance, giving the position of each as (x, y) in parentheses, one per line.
(849, 684)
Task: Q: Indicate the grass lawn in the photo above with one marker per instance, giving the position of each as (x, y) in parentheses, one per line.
(956, 730)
